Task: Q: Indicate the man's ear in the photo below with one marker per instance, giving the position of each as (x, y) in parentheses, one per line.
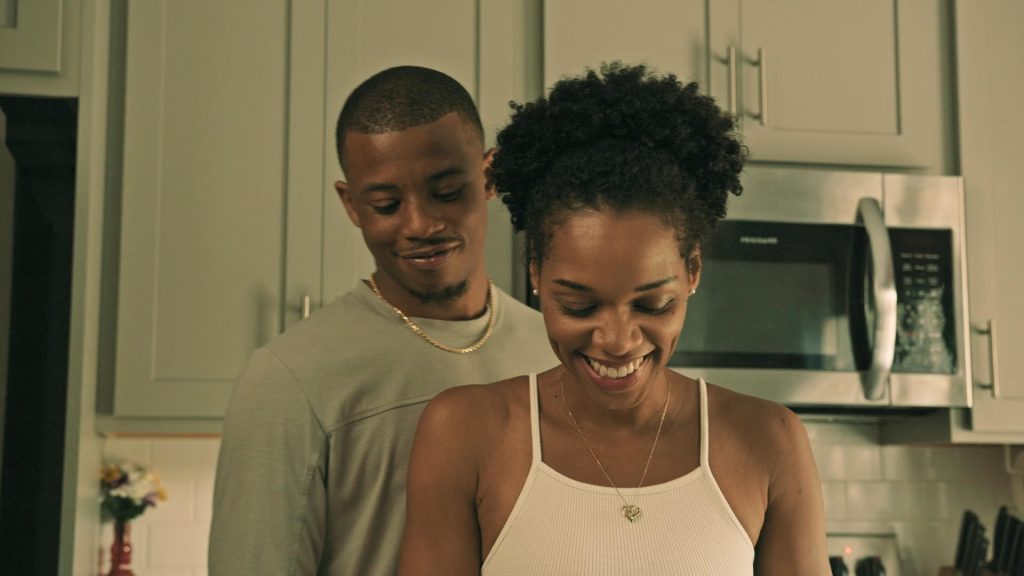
(345, 195)
(491, 192)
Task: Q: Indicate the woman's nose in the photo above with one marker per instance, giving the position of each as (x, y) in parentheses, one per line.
(618, 334)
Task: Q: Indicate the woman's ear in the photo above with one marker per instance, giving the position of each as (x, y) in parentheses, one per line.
(694, 265)
(534, 278)
(491, 192)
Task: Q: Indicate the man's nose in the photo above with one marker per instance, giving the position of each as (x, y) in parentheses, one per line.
(421, 220)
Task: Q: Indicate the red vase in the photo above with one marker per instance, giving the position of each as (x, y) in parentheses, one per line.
(121, 550)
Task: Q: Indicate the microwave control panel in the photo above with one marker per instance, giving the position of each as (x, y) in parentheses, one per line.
(922, 259)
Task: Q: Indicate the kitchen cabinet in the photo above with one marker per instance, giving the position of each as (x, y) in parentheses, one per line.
(854, 83)
(230, 223)
(203, 196)
(39, 47)
(992, 138)
(990, 47)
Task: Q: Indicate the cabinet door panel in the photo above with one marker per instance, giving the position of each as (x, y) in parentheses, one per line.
(203, 198)
(849, 83)
(367, 36)
(667, 35)
(830, 66)
(992, 135)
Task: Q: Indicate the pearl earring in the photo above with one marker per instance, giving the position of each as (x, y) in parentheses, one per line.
(536, 292)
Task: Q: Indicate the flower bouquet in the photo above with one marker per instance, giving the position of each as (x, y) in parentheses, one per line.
(127, 490)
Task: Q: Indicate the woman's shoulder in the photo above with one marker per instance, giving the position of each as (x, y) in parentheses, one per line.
(770, 427)
(482, 408)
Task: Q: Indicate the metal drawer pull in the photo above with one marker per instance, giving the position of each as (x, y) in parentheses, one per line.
(989, 330)
(762, 76)
(305, 306)
(732, 80)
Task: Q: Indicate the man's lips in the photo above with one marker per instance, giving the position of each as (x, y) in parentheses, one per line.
(428, 252)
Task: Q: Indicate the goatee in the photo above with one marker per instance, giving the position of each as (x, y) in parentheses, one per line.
(444, 295)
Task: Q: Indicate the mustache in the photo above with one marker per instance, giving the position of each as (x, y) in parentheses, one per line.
(426, 243)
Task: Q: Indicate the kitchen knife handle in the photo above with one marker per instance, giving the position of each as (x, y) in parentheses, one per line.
(883, 286)
(989, 330)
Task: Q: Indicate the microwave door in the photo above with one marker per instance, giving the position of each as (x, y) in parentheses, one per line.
(882, 313)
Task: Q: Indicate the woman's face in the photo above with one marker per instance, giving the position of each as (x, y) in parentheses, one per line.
(613, 289)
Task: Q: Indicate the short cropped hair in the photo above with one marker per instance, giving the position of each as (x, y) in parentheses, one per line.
(622, 138)
(404, 97)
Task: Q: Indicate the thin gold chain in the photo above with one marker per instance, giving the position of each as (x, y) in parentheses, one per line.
(419, 331)
(643, 476)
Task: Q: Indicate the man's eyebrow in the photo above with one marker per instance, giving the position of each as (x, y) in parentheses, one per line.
(447, 172)
(641, 288)
(392, 187)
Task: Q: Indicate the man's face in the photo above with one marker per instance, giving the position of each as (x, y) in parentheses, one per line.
(419, 197)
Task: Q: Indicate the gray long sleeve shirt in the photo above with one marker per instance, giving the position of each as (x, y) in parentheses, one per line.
(312, 468)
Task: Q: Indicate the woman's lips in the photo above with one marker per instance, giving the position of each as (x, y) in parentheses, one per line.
(613, 383)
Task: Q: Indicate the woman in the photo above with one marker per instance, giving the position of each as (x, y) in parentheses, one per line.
(612, 463)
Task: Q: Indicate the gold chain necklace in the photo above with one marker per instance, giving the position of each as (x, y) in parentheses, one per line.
(419, 331)
(630, 511)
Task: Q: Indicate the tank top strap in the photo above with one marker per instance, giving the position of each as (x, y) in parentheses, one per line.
(703, 423)
(535, 418)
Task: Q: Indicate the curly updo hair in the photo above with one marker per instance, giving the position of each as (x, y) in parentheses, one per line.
(621, 139)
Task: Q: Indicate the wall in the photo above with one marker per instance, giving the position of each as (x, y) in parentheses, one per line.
(918, 493)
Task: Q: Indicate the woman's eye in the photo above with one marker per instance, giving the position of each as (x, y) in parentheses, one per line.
(657, 309)
(577, 311)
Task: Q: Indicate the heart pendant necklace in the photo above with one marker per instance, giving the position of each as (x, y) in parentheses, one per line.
(630, 511)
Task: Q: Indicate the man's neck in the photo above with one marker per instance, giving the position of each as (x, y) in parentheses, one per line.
(471, 304)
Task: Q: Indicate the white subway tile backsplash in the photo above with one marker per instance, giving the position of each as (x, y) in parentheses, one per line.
(917, 492)
(834, 495)
(179, 507)
(178, 545)
(191, 459)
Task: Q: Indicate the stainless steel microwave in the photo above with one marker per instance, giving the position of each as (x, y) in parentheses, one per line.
(826, 288)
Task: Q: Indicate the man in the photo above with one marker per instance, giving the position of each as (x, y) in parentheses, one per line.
(312, 469)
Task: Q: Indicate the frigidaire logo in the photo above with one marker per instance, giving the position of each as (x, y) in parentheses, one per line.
(765, 240)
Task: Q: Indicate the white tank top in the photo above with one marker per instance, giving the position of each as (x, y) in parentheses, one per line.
(565, 527)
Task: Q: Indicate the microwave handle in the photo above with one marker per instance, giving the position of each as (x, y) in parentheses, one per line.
(883, 285)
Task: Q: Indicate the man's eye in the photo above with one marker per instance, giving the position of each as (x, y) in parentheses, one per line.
(385, 207)
(448, 195)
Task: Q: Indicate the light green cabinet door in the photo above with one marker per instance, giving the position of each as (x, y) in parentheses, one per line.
(991, 55)
(668, 35)
(364, 37)
(39, 47)
(203, 233)
(862, 83)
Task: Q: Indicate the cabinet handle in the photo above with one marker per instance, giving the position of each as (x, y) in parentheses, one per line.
(989, 329)
(762, 76)
(732, 80)
(305, 306)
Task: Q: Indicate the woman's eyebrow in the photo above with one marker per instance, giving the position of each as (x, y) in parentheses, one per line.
(641, 288)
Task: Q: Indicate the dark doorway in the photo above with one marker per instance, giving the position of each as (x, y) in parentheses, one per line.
(40, 136)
